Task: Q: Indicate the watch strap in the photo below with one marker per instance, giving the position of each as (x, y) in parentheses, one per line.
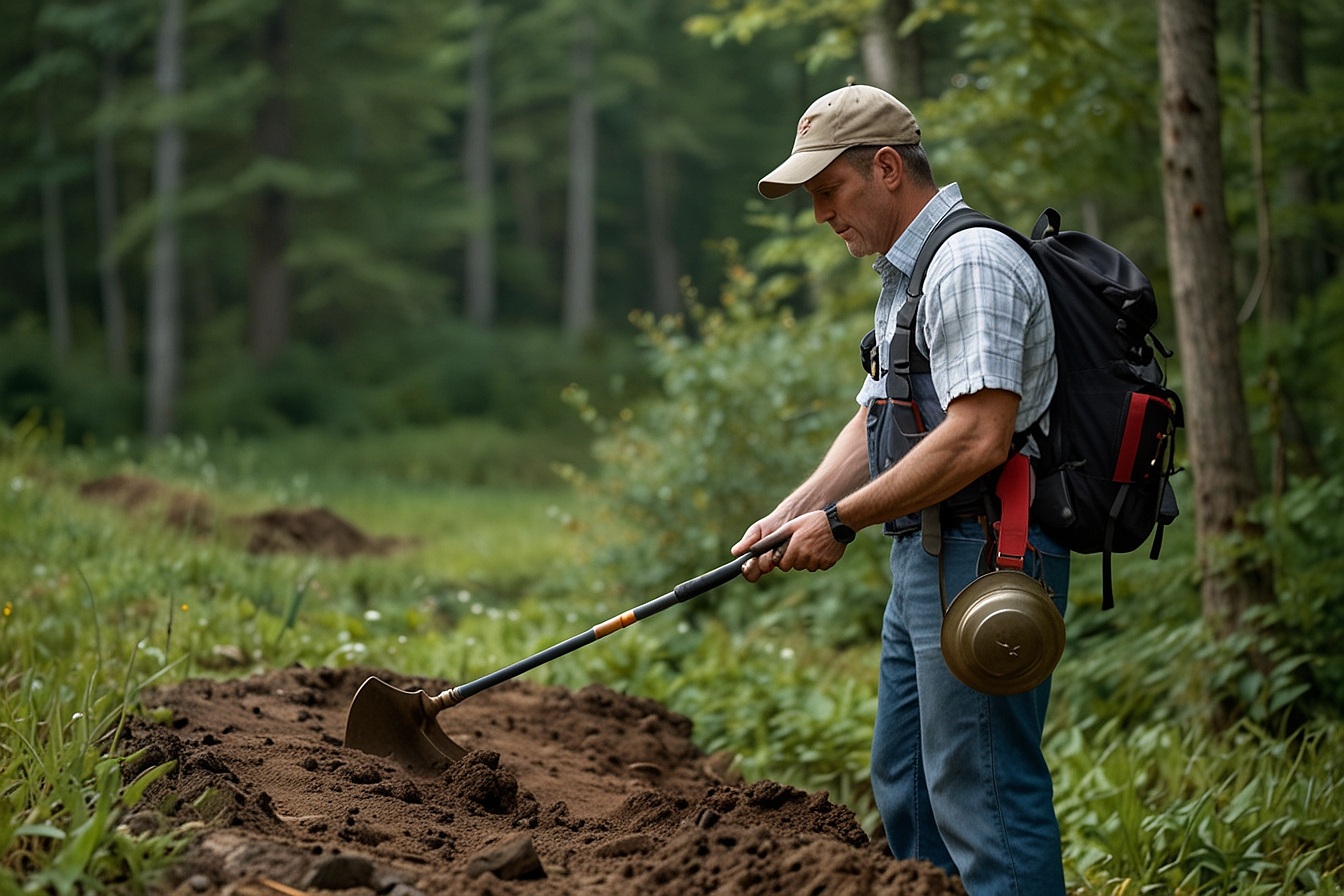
(839, 531)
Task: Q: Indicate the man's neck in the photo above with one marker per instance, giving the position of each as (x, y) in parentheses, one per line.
(908, 209)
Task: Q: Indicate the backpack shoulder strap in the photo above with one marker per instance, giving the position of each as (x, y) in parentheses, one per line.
(953, 222)
(960, 219)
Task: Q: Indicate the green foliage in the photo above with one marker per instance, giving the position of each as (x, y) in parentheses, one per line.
(88, 400)
(372, 98)
(1184, 812)
(1304, 530)
(392, 378)
(1145, 793)
(748, 407)
(62, 705)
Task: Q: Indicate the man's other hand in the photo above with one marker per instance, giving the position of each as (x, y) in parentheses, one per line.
(811, 546)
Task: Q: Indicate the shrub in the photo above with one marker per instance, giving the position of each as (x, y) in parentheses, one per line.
(750, 402)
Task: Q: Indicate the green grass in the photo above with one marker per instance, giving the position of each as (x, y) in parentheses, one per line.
(96, 603)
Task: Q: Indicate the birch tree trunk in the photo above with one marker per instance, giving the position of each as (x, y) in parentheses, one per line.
(269, 287)
(480, 292)
(164, 318)
(53, 233)
(659, 174)
(580, 214)
(896, 64)
(1200, 256)
(109, 277)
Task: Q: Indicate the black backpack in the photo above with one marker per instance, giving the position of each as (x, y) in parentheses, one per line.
(1104, 470)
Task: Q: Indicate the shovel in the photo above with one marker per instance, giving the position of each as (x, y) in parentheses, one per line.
(387, 721)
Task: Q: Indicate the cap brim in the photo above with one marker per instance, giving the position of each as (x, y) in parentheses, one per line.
(797, 169)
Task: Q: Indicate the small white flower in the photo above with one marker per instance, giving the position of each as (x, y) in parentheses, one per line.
(477, 609)
(372, 616)
(463, 596)
(786, 653)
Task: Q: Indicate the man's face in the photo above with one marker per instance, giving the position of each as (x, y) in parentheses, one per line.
(858, 208)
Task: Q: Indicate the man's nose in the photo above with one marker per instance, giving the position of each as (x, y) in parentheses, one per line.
(821, 211)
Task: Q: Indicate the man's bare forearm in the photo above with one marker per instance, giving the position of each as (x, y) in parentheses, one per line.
(975, 438)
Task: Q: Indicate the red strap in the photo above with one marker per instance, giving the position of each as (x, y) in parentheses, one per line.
(1014, 493)
(1129, 442)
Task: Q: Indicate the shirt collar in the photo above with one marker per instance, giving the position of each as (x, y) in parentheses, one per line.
(903, 253)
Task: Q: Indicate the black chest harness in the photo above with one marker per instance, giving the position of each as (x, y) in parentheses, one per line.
(910, 410)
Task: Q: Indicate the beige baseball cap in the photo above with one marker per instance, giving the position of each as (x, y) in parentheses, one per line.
(855, 115)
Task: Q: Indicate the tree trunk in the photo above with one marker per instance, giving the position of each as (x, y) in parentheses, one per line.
(269, 291)
(105, 184)
(581, 224)
(164, 319)
(480, 293)
(1200, 255)
(659, 198)
(53, 232)
(896, 64)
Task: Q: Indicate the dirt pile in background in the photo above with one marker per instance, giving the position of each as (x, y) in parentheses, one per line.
(184, 510)
(591, 792)
(314, 530)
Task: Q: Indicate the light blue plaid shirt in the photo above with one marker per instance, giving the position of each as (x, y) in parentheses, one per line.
(984, 321)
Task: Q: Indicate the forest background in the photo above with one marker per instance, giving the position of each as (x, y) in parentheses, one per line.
(425, 260)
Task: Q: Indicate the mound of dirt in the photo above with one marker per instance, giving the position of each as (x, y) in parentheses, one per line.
(581, 793)
(315, 530)
(127, 492)
(184, 510)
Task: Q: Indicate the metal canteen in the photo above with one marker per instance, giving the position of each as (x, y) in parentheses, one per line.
(1002, 634)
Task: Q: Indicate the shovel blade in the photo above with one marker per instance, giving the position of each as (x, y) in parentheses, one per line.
(387, 721)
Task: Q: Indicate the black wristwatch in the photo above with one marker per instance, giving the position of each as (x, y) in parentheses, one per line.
(839, 531)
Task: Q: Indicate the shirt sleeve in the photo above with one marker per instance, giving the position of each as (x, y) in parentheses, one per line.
(978, 300)
(872, 390)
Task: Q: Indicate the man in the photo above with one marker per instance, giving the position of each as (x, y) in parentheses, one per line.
(958, 775)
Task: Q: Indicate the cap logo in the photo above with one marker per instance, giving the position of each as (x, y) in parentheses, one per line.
(804, 125)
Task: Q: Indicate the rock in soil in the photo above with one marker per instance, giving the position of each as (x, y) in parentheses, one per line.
(516, 859)
(556, 782)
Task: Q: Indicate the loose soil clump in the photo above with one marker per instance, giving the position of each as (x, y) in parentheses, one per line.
(582, 793)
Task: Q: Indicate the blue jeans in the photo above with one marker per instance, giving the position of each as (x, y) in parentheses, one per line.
(958, 775)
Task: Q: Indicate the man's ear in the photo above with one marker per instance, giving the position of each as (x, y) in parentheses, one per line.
(889, 168)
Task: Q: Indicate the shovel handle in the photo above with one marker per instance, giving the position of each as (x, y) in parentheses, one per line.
(683, 592)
